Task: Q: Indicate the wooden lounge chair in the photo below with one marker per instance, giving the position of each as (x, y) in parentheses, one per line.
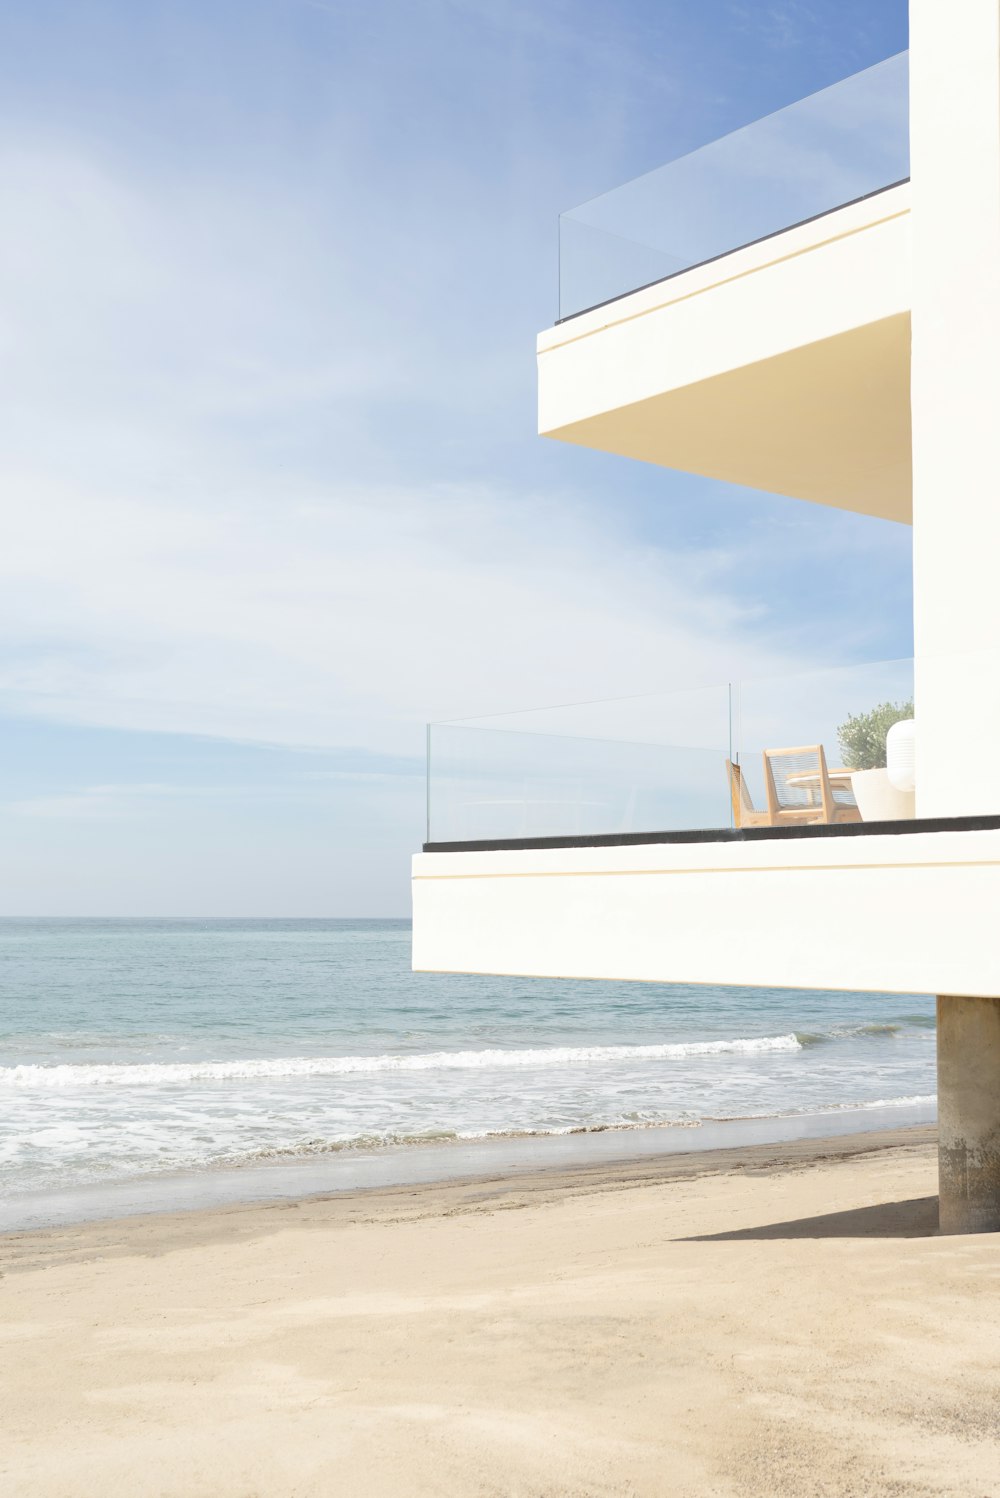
(797, 784)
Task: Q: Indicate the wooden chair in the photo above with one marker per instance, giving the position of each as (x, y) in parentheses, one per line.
(745, 814)
(797, 784)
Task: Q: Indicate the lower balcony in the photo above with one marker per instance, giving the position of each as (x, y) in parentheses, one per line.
(763, 833)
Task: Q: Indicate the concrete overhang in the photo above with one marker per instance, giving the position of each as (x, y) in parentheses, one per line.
(723, 912)
(783, 366)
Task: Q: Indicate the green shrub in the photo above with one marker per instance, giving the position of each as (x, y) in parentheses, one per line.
(862, 738)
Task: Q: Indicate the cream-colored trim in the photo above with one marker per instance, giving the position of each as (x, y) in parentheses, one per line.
(768, 868)
(970, 848)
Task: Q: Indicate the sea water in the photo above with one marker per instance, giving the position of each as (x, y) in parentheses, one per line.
(136, 1049)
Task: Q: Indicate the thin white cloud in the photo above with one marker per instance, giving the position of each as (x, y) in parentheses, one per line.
(94, 802)
(340, 619)
(176, 558)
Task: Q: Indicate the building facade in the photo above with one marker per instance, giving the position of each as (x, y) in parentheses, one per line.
(809, 307)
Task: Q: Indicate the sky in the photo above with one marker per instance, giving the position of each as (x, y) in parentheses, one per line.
(272, 492)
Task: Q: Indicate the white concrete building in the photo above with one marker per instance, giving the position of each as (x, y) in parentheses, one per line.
(810, 307)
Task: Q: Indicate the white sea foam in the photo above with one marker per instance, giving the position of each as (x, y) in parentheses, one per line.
(820, 1109)
(914, 1100)
(174, 1073)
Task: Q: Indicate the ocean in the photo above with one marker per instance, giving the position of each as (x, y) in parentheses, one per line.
(138, 1052)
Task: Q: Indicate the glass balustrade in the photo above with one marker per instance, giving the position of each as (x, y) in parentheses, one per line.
(832, 148)
(781, 751)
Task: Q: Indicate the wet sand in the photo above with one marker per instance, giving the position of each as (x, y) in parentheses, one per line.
(774, 1320)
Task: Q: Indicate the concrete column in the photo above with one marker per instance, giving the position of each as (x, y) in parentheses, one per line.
(968, 1047)
(955, 398)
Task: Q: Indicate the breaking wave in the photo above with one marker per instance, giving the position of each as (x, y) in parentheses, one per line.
(159, 1074)
(848, 1032)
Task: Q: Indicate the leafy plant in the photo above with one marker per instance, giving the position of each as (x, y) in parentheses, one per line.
(862, 737)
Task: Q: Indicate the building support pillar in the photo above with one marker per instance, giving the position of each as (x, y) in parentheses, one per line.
(968, 1051)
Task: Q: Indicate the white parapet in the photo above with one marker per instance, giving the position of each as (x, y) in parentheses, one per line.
(912, 912)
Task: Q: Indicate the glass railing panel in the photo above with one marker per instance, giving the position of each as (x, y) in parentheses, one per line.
(632, 765)
(834, 147)
(848, 711)
(665, 762)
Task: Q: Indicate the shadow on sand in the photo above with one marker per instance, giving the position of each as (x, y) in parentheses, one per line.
(917, 1218)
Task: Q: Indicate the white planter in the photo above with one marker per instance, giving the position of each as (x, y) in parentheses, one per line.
(900, 754)
(877, 798)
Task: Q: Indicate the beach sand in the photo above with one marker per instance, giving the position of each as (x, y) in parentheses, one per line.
(777, 1320)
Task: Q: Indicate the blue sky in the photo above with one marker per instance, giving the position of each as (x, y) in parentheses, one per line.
(273, 497)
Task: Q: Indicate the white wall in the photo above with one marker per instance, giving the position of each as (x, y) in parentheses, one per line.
(955, 164)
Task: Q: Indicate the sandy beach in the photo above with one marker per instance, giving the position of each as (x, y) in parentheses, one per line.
(778, 1320)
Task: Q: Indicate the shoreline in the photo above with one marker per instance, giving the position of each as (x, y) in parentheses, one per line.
(573, 1164)
(428, 1163)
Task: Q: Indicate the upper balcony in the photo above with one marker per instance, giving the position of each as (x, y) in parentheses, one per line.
(743, 312)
